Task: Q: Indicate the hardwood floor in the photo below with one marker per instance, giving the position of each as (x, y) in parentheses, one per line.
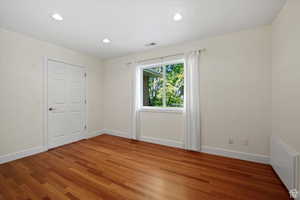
(108, 167)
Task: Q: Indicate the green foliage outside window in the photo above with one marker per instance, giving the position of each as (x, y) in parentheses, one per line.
(164, 86)
(175, 85)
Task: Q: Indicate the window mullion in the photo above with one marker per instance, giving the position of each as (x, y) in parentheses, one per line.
(164, 86)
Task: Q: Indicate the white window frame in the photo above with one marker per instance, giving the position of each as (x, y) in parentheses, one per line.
(143, 108)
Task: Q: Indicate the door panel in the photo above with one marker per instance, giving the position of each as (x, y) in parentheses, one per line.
(75, 125)
(57, 91)
(56, 125)
(75, 95)
(66, 107)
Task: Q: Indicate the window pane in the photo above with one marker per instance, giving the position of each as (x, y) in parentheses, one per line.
(175, 85)
(153, 86)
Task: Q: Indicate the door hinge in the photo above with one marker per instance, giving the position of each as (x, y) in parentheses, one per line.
(85, 127)
(85, 75)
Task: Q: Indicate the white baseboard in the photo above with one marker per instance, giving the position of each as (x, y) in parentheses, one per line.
(109, 132)
(116, 133)
(205, 149)
(236, 154)
(21, 154)
(94, 134)
(171, 143)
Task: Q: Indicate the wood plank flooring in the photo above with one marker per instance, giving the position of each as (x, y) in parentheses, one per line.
(108, 167)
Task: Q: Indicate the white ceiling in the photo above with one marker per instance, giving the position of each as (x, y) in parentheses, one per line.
(130, 24)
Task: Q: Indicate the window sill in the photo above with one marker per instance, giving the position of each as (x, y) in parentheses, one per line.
(161, 110)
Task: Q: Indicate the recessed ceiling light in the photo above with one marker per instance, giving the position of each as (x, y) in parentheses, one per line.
(57, 17)
(106, 40)
(177, 17)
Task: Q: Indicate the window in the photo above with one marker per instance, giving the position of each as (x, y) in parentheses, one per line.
(163, 85)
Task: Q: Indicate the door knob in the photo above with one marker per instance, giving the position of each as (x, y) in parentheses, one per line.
(50, 109)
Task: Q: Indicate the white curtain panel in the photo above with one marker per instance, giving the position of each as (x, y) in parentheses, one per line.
(135, 101)
(192, 101)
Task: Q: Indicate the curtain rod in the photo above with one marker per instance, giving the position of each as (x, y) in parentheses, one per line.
(178, 54)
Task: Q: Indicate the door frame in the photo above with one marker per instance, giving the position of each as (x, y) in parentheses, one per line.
(45, 101)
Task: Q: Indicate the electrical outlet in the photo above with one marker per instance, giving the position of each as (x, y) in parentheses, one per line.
(230, 141)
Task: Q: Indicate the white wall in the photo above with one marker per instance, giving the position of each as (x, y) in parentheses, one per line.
(286, 75)
(235, 92)
(21, 86)
(163, 126)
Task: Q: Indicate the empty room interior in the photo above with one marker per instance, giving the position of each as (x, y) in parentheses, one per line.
(150, 100)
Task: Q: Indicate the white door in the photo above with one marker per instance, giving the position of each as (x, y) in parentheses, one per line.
(66, 103)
